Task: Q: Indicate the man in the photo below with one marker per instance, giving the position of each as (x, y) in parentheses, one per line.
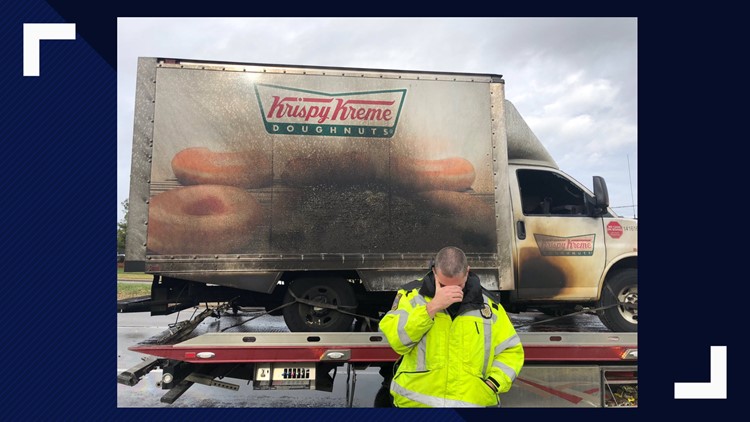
(458, 346)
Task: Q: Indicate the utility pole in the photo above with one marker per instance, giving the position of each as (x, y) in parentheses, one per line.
(632, 199)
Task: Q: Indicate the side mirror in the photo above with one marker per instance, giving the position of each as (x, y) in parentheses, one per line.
(601, 195)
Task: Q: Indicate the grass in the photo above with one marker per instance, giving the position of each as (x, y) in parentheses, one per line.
(128, 290)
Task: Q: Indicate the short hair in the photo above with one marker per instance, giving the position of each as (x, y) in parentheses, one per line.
(451, 261)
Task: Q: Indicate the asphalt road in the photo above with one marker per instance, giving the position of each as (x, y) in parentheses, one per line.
(133, 328)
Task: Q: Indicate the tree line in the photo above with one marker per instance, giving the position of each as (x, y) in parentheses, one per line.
(122, 228)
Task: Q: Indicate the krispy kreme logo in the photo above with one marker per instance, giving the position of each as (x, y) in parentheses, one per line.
(294, 111)
(565, 246)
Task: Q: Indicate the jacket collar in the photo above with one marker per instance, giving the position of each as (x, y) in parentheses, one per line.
(472, 291)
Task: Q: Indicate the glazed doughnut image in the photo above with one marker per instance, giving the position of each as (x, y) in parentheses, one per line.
(344, 169)
(202, 219)
(456, 174)
(453, 174)
(201, 166)
(462, 210)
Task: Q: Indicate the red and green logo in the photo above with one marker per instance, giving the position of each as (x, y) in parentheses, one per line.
(294, 111)
(565, 246)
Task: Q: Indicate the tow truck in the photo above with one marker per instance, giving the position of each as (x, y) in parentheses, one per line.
(562, 369)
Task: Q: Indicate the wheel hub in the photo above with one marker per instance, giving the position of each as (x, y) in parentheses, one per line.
(317, 310)
(628, 299)
(317, 315)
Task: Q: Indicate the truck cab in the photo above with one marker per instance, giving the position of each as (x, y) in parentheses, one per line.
(570, 248)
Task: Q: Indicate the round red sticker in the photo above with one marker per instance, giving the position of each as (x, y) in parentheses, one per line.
(614, 230)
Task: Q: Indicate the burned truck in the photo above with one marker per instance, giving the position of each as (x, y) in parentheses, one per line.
(318, 192)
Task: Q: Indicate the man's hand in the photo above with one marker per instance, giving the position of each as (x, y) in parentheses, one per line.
(491, 385)
(444, 297)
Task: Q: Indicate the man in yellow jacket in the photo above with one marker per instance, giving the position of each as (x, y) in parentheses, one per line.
(458, 347)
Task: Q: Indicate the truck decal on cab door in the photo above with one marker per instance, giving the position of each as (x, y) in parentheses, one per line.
(614, 230)
(582, 245)
(294, 111)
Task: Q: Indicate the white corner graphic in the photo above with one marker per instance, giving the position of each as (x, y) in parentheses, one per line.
(33, 33)
(716, 388)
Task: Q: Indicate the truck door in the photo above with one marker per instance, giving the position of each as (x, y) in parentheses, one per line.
(559, 247)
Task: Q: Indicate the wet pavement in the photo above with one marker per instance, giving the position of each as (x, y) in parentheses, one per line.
(538, 322)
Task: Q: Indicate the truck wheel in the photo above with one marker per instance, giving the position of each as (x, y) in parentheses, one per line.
(620, 287)
(335, 292)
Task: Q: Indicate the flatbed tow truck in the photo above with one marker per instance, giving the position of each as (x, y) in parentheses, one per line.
(562, 369)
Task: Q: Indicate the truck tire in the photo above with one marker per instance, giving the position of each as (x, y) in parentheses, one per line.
(620, 287)
(305, 318)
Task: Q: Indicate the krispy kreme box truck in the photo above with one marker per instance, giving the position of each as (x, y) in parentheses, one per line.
(318, 192)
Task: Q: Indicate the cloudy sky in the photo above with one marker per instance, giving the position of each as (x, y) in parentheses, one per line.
(574, 80)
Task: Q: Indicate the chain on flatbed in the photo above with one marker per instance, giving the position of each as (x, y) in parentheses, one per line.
(370, 322)
(181, 330)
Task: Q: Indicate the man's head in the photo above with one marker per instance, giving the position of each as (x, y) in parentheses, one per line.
(451, 267)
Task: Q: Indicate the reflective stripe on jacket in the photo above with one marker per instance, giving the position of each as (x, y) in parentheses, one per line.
(445, 361)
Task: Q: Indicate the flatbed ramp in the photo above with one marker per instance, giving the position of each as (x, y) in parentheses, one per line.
(373, 347)
(562, 369)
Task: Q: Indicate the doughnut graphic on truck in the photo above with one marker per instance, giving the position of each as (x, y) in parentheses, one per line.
(318, 192)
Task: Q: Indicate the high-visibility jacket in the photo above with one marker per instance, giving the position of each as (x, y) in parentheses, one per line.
(446, 360)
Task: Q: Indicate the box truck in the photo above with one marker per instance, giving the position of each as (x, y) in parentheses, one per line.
(317, 192)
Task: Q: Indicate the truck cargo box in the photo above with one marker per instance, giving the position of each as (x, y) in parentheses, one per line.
(241, 172)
